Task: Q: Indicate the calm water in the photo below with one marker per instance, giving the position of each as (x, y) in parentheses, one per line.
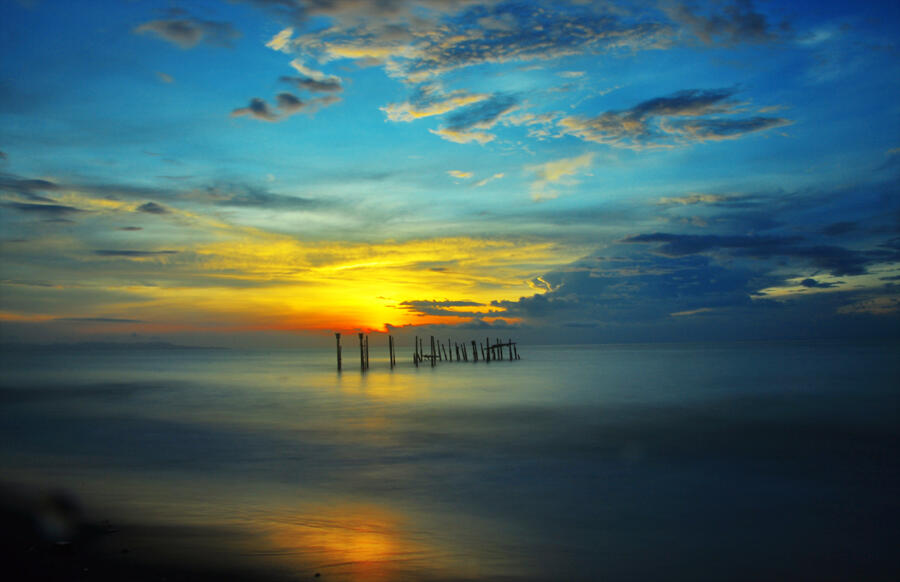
(674, 462)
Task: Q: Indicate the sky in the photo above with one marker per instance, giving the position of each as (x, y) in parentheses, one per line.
(267, 172)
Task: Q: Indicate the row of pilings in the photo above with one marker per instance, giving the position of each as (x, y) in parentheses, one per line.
(438, 352)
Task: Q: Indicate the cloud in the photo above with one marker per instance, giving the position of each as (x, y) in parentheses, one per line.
(164, 77)
(691, 199)
(257, 109)
(313, 85)
(725, 23)
(467, 125)
(132, 254)
(287, 104)
(720, 129)
(429, 101)
(840, 228)
(152, 208)
(813, 284)
(445, 308)
(130, 228)
(837, 260)
(560, 172)
(97, 320)
(188, 32)
(488, 180)
(281, 41)
(460, 174)
(51, 210)
(681, 117)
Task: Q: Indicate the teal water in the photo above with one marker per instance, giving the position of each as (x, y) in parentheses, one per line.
(637, 462)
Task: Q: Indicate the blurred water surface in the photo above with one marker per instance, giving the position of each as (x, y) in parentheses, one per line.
(632, 462)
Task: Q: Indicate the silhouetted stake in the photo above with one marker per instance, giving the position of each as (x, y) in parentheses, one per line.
(362, 353)
(391, 351)
(515, 351)
(510, 349)
(337, 337)
(458, 359)
(432, 351)
(474, 351)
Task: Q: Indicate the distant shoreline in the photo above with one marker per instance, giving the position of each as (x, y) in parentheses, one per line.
(110, 346)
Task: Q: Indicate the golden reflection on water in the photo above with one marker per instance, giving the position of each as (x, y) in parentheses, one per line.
(352, 542)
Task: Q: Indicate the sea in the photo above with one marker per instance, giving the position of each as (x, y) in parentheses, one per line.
(727, 461)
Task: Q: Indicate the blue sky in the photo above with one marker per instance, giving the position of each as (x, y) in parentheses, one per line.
(606, 171)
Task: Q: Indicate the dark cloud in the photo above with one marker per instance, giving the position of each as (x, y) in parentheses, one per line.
(287, 105)
(837, 260)
(28, 188)
(813, 284)
(97, 320)
(677, 245)
(51, 210)
(130, 228)
(152, 208)
(523, 32)
(726, 23)
(187, 32)
(427, 307)
(258, 109)
(685, 116)
(481, 115)
(328, 85)
(839, 228)
(719, 129)
(251, 196)
(134, 254)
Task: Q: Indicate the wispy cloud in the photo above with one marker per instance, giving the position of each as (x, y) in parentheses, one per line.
(152, 208)
(558, 172)
(187, 32)
(429, 101)
(727, 23)
(694, 115)
(469, 124)
(460, 174)
(489, 179)
(287, 105)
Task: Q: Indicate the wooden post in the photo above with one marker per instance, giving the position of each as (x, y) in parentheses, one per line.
(516, 351)
(391, 350)
(510, 350)
(362, 353)
(432, 352)
(337, 337)
(457, 352)
(474, 351)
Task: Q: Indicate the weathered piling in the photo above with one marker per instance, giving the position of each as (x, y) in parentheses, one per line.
(432, 352)
(391, 351)
(474, 351)
(337, 337)
(362, 353)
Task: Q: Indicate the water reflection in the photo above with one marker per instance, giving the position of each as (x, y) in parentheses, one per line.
(351, 541)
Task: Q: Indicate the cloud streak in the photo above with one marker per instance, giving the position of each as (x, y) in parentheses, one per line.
(187, 32)
(690, 116)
